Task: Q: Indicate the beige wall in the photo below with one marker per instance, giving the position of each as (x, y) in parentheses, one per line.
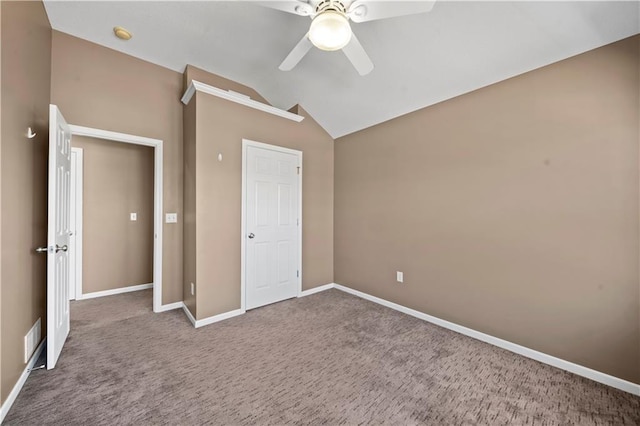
(512, 210)
(26, 65)
(220, 127)
(118, 180)
(189, 136)
(189, 246)
(99, 87)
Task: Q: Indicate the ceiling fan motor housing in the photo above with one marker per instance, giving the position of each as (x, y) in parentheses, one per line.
(326, 5)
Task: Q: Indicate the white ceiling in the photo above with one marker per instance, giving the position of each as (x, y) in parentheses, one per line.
(419, 60)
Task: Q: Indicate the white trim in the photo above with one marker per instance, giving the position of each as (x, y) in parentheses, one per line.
(243, 220)
(300, 222)
(246, 143)
(210, 320)
(237, 98)
(77, 178)
(158, 180)
(189, 314)
(316, 290)
(170, 307)
(113, 136)
(114, 291)
(580, 370)
(249, 142)
(4, 410)
(219, 317)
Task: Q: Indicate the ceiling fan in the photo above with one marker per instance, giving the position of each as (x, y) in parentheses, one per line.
(330, 29)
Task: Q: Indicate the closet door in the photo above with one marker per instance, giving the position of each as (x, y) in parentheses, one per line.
(272, 228)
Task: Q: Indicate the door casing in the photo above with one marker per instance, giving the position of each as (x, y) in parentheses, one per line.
(75, 262)
(156, 144)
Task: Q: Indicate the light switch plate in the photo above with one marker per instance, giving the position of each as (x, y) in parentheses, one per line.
(171, 218)
(134, 217)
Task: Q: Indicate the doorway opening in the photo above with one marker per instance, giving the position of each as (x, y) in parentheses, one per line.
(78, 232)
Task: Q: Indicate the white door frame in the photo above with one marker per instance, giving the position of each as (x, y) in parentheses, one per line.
(246, 143)
(157, 196)
(77, 184)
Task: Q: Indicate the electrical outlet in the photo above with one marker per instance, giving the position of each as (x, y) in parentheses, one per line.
(399, 276)
(133, 217)
(193, 289)
(171, 218)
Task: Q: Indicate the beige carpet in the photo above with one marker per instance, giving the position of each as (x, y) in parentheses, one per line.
(330, 358)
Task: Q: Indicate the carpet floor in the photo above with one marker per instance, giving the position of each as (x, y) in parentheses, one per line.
(330, 358)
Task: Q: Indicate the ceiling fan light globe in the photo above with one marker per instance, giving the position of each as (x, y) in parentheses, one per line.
(330, 30)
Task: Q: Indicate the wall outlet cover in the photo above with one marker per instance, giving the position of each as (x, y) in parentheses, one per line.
(171, 218)
(399, 276)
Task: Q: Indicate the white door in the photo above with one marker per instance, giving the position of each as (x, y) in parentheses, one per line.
(58, 235)
(272, 246)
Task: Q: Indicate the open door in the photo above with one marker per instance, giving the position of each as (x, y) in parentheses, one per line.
(58, 322)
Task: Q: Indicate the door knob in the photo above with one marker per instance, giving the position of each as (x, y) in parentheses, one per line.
(44, 249)
(251, 235)
(63, 248)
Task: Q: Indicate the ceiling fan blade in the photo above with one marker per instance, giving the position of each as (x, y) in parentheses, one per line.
(296, 54)
(358, 57)
(363, 11)
(292, 6)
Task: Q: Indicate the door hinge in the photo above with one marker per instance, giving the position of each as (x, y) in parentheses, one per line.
(298, 222)
(298, 274)
(298, 169)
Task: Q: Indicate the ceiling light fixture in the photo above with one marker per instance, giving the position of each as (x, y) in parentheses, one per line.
(330, 30)
(122, 33)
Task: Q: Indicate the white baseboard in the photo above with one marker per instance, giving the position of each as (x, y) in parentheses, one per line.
(580, 370)
(235, 313)
(316, 290)
(219, 317)
(210, 320)
(114, 291)
(4, 410)
(189, 314)
(170, 307)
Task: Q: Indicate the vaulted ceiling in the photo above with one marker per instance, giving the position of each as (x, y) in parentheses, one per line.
(419, 60)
